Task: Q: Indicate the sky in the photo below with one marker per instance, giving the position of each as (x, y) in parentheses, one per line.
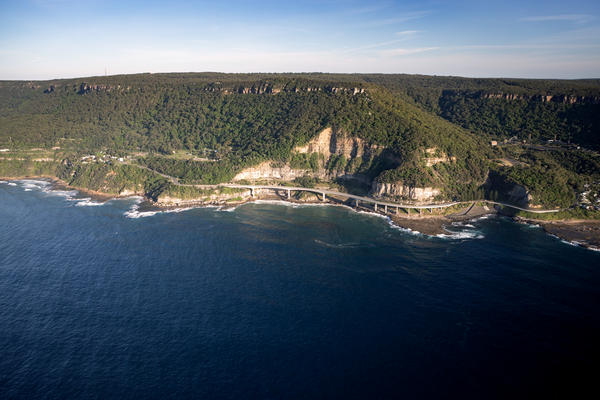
(51, 39)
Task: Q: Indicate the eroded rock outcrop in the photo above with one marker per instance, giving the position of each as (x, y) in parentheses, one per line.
(567, 99)
(434, 156)
(268, 172)
(215, 197)
(330, 142)
(427, 194)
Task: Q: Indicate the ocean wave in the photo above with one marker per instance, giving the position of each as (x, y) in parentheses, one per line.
(226, 209)
(486, 216)
(35, 182)
(87, 202)
(276, 202)
(30, 186)
(461, 235)
(575, 243)
(134, 213)
(12, 184)
(67, 194)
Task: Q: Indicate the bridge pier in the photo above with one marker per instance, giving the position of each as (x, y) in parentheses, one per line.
(385, 208)
(289, 194)
(252, 192)
(323, 196)
(375, 206)
(397, 210)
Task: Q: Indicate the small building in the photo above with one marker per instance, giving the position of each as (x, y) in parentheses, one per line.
(494, 143)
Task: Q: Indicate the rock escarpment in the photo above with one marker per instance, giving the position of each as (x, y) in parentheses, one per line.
(330, 142)
(567, 99)
(424, 195)
(267, 172)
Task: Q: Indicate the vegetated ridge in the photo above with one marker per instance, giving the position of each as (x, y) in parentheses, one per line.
(401, 137)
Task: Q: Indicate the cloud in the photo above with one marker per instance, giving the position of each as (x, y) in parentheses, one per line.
(404, 52)
(576, 18)
(392, 21)
(370, 46)
(407, 33)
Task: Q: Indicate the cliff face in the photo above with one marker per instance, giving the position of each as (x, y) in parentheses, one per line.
(327, 143)
(268, 172)
(541, 98)
(212, 198)
(330, 142)
(397, 189)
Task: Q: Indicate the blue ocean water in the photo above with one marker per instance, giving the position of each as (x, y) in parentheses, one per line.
(275, 301)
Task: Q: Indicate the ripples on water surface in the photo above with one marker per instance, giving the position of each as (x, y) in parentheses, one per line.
(280, 301)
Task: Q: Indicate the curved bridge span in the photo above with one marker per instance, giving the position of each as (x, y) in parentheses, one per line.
(377, 204)
(323, 193)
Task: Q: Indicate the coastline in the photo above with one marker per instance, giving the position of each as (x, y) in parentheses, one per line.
(581, 232)
(584, 233)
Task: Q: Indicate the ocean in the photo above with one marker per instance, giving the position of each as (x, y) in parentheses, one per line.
(271, 300)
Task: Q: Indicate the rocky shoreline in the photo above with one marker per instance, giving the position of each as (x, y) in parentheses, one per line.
(585, 233)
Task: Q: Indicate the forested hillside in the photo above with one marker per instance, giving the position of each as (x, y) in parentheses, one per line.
(226, 122)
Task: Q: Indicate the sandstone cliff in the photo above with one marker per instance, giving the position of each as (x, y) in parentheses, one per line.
(424, 195)
(216, 196)
(267, 172)
(327, 143)
(541, 98)
(330, 142)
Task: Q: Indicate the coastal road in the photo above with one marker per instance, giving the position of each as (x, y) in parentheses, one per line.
(324, 192)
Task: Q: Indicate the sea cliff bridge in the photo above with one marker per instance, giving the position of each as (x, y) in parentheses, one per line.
(378, 206)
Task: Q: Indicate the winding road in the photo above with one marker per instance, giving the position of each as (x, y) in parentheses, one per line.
(324, 192)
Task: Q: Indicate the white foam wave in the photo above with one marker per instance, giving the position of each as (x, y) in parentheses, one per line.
(87, 202)
(30, 186)
(461, 235)
(67, 194)
(134, 213)
(37, 183)
(575, 243)
(226, 209)
(407, 230)
(12, 184)
(278, 202)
